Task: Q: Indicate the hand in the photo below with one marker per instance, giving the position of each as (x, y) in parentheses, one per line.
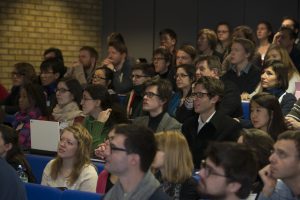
(99, 152)
(292, 123)
(104, 115)
(245, 96)
(108, 63)
(76, 64)
(269, 181)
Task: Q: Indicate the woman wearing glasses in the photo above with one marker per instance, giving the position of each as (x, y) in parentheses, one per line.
(181, 105)
(101, 113)
(22, 72)
(174, 155)
(72, 168)
(68, 96)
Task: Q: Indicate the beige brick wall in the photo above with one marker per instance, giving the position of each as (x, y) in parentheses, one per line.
(28, 27)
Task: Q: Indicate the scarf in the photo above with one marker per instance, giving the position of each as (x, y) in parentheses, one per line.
(66, 113)
(277, 92)
(143, 191)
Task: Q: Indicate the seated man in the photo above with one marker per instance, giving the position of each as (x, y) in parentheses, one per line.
(156, 97)
(129, 156)
(282, 176)
(231, 101)
(83, 69)
(228, 171)
(210, 124)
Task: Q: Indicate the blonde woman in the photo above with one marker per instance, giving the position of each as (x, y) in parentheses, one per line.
(72, 168)
(173, 165)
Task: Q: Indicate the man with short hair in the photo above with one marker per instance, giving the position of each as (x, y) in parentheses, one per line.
(129, 156)
(231, 101)
(84, 68)
(228, 171)
(118, 61)
(282, 176)
(155, 101)
(210, 124)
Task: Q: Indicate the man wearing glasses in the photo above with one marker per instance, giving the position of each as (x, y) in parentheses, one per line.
(228, 171)
(155, 101)
(210, 124)
(282, 176)
(129, 156)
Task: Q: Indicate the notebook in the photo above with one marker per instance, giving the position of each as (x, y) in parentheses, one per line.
(44, 136)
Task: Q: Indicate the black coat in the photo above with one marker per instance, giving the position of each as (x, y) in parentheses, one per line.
(219, 128)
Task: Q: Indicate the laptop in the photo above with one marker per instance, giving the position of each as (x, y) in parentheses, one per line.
(45, 136)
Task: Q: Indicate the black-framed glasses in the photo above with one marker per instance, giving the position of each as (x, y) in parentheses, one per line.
(138, 76)
(61, 90)
(150, 94)
(17, 74)
(180, 76)
(114, 148)
(199, 94)
(99, 77)
(209, 170)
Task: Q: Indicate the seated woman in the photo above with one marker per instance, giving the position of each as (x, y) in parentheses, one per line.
(68, 96)
(32, 103)
(186, 54)
(264, 34)
(266, 115)
(22, 72)
(173, 165)
(134, 99)
(181, 105)
(274, 80)
(72, 168)
(262, 144)
(101, 113)
(10, 150)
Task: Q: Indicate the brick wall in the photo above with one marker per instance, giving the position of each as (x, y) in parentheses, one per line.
(28, 27)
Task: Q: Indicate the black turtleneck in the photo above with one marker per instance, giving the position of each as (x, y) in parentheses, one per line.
(154, 121)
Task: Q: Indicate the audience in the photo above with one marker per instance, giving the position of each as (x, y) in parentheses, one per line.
(173, 165)
(10, 150)
(83, 68)
(22, 73)
(72, 169)
(134, 100)
(282, 176)
(168, 41)
(185, 55)
(242, 72)
(274, 80)
(101, 113)
(266, 114)
(129, 156)
(228, 171)
(292, 119)
(32, 105)
(155, 102)
(264, 34)
(231, 100)
(209, 124)
(223, 31)
(68, 96)
(181, 104)
(262, 144)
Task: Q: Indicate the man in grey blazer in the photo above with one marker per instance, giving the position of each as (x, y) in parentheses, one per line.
(156, 97)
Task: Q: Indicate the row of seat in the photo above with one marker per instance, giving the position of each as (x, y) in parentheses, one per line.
(37, 192)
(39, 162)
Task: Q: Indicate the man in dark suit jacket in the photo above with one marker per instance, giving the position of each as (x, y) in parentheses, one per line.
(210, 124)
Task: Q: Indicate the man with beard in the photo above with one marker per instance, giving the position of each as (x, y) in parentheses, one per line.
(118, 61)
(83, 69)
(228, 171)
(282, 176)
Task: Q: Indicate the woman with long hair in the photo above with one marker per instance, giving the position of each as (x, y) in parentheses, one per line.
(173, 166)
(266, 114)
(72, 168)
